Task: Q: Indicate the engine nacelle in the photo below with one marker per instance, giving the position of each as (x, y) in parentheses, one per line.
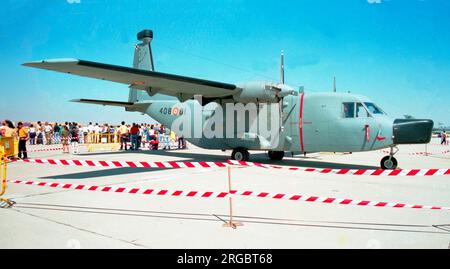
(262, 92)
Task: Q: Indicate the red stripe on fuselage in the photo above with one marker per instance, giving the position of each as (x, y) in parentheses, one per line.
(301, 124)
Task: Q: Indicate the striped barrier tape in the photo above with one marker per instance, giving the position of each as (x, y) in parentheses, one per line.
(44, 150)
(121, 164)
(211, 194)
(354, 172)
(143, 164)
(422, 153)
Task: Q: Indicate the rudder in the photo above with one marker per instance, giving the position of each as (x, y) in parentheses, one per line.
(143, 59)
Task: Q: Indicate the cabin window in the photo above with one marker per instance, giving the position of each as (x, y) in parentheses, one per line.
(361, 111)
(349, 110)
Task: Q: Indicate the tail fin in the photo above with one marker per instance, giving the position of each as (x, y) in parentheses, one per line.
(143, 59)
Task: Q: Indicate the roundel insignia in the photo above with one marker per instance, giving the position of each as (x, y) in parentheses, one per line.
(175, 111)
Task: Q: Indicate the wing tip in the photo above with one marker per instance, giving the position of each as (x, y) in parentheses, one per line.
(50, 61)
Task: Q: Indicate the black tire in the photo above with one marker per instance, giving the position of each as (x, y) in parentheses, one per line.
(276, 155)
(240, 154)
(388, 164)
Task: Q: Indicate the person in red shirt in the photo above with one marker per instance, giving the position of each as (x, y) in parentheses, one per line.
(154, 143)
(134, 132)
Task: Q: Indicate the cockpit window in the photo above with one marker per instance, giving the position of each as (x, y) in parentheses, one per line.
(349, 110)
(373, 108)
(361, 111)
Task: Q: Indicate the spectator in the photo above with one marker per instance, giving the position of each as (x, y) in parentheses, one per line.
(48, 130)
(80, 134)
(39, 133)
(134, 131)
(90, 133)
(56, 131)
(32, 135)
(151, 133)
(97, 130)
(23, 137)
(2, 129)
(85, 132)
(74, 139)
(8, 129)
(154, 143)
(444, 138)
(123, 132)
(161, 132)
(181, 142)
(65, 133)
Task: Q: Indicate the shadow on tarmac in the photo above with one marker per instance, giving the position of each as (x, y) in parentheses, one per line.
(104, 173)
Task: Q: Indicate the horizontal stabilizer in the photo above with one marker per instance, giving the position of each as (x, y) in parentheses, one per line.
(104, 102)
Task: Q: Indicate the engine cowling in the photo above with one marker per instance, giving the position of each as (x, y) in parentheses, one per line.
(262, 92)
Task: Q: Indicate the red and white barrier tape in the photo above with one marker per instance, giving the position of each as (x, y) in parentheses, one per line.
(421, 153)
(354, 172)
(119, 164)
(44, 150)
(140, 164)
(211, 194)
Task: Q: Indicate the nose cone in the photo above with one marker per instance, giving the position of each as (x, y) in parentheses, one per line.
(414, 131)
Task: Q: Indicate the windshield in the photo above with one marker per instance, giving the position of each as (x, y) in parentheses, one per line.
(373, 108)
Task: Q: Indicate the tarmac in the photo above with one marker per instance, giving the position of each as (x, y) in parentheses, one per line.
(57, 218)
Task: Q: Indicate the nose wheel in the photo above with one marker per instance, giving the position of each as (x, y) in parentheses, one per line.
(240, 154)
(389, 162)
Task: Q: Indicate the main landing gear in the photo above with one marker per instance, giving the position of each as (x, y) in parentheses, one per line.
(276, 155)
(389, 162)
(240, 154)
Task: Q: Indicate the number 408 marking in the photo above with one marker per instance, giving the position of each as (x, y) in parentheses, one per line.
(171, 111)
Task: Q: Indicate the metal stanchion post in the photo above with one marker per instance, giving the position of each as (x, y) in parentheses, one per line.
(4, 202)
(231, 223)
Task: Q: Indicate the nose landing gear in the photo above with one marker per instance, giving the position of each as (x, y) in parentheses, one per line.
(389, 162)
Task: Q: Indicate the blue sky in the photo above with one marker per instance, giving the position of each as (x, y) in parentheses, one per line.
(397, 52)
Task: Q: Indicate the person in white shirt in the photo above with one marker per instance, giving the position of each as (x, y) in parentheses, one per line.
(97, 130)
(90, 133)
(48, 129)
(85, 131)
(32, 135)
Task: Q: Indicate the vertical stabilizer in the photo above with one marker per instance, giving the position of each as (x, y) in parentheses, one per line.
(143, 59)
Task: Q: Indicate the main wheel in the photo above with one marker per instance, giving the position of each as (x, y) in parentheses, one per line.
(240, 154)
(388, 162)
(276, 155)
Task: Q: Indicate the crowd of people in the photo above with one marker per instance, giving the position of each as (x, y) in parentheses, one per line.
(130, 136)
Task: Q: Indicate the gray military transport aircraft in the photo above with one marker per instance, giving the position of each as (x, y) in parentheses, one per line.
(310, 122)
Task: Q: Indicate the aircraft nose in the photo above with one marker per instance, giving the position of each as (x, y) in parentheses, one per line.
(412, 131)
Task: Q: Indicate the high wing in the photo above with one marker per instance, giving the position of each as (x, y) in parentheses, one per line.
(153, 82)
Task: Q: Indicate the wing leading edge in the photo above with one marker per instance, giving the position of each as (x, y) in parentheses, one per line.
(174, 85)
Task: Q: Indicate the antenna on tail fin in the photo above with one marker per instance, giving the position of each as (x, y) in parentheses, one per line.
(334, 84)
(282, 67)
